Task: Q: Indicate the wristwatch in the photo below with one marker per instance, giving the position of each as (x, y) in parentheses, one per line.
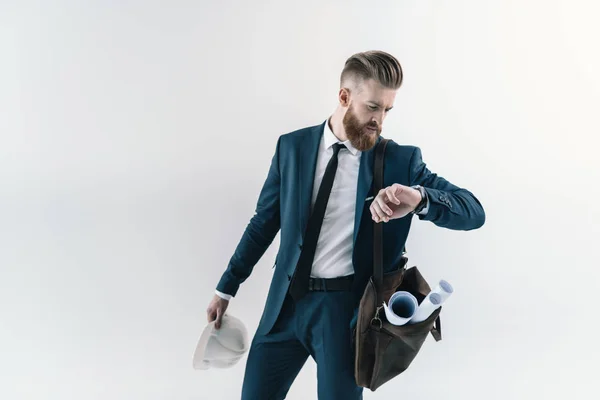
(423, 201)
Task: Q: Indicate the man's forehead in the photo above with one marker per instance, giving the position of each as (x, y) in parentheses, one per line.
(379, 103)
(379, 95)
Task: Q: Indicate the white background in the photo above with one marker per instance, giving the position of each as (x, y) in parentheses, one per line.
(136, 135)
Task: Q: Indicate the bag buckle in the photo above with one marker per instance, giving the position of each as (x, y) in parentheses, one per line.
(376, 317)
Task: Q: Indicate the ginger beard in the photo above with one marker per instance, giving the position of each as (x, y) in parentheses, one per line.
(360, 136)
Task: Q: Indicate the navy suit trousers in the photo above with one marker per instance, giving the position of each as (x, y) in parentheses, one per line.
(317, 326)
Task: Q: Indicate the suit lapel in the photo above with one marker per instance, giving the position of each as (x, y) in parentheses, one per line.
(365, 178)
(309, 149)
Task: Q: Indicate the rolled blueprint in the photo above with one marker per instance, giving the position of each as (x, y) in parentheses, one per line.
(444, 289)
(402, 307)
(427, 306)
(432, 301)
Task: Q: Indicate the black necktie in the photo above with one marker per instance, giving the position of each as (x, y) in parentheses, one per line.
(299, 284)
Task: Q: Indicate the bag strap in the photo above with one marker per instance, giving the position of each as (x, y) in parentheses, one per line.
(436, 330)
(378, 227)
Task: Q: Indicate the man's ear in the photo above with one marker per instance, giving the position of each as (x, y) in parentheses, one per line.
(344, 97)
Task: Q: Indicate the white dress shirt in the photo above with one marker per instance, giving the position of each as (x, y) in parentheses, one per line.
(333, 255)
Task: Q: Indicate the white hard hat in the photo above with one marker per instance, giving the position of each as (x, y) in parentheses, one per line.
(221, 348)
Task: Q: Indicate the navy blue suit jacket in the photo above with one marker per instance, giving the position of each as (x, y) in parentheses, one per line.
(284, 204)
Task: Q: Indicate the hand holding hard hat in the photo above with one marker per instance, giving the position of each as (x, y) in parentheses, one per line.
(216, 309)
(223, 347)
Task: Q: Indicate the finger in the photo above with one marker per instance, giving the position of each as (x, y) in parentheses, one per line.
(382, 216)
(374, 216)
(383, 195)
(210, 315)
(386, 210)
(400, 193)
(218, 321)
(391, 195)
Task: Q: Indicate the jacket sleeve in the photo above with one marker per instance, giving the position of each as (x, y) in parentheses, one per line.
(259, 233)
(450, 206)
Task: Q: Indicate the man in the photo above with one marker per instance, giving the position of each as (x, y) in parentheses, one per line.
(317, 191)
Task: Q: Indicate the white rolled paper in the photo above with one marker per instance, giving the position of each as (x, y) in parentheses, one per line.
(444, 289)
(432, 301)
(426, 308)
(402, 307)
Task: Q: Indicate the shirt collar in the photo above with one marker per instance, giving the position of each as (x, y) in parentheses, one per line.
(331, 139)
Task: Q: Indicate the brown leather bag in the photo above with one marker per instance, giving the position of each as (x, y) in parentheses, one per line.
(383, 350)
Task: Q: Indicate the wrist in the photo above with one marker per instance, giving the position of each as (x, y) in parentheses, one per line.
(423, 199)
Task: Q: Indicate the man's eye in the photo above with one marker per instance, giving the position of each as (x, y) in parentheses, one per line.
(373, 108)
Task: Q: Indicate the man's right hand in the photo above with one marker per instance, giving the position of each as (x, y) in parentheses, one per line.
(216, 309)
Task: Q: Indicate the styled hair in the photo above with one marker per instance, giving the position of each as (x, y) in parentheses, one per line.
(374, 64)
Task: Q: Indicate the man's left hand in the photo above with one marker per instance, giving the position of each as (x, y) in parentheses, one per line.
(394, 202)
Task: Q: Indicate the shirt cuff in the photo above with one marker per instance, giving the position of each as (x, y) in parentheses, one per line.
(223, 295)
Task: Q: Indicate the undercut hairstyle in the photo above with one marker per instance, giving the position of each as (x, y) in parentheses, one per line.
(374, 64)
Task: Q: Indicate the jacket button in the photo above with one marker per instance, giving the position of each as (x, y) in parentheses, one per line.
(289, 277)
(300, 246)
